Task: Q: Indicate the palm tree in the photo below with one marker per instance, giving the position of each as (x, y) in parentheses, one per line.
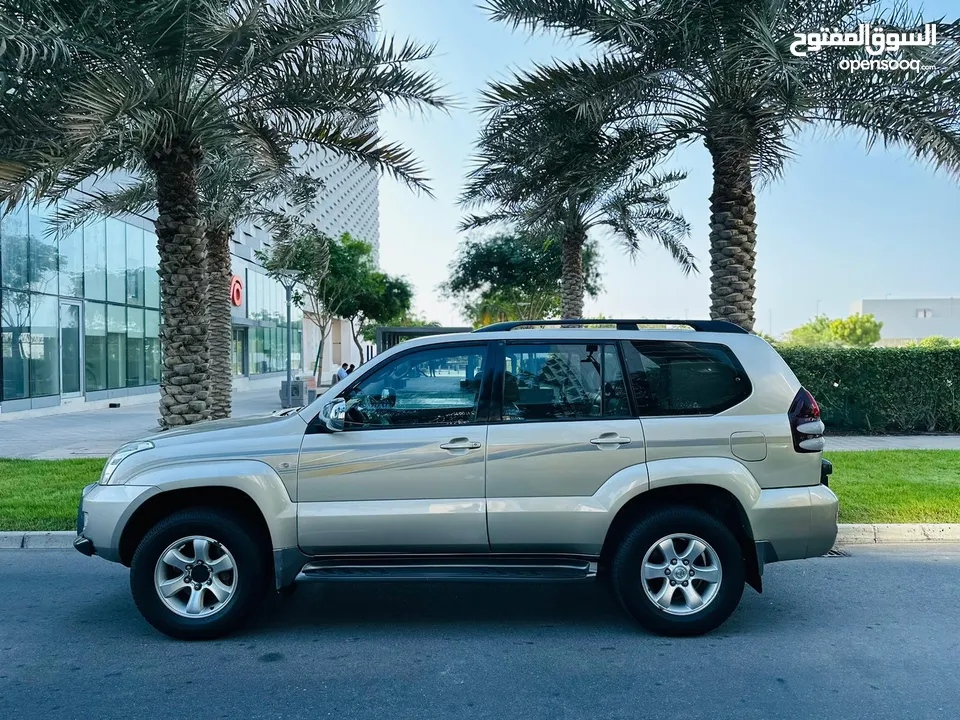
(723, 73)
(231, 190)
(155, 86)
(514, 276)
(555, 173)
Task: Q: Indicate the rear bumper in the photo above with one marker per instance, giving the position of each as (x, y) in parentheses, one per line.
(795, 523)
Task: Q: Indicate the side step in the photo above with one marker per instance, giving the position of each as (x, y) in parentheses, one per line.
(454, 569)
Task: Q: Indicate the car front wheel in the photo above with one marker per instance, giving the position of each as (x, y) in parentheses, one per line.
(197, 574)
(680, 571)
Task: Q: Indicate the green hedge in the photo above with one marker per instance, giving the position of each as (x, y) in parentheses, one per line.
(881, 390)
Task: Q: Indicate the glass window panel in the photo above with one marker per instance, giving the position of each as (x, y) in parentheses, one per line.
(135, 270)
(151, 279)
(151, 348)
(95, 346)
(44, 345)
(551, 382)
(615, 402)
(71, 264)
(116, 346)
(71, 336)
(15, 343)
(681, 378)
(256, 351)
(44, 265)
(429, 387)
(135, 347)
(116, 261)
(95, 261)
(14, 250)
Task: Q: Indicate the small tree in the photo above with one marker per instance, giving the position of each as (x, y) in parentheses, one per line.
(378, 298)
(857, 330)
(515, 276)
(327, 271)
(814, 332)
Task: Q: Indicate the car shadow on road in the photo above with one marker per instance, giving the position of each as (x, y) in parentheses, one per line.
(493, 607)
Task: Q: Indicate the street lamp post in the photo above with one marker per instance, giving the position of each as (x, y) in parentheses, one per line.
(288, 280)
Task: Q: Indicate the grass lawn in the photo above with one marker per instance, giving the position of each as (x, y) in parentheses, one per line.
(43, 494)
(886, 486)
(897, 486)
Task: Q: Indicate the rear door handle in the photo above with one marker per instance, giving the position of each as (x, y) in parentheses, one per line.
(610, 440)
(460, 444)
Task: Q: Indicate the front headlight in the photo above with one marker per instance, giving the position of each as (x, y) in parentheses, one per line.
(118, 457)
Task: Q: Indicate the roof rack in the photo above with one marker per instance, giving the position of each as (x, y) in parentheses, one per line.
(716, 326)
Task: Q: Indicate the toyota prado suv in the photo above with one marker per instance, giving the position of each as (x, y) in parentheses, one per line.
(673, 463)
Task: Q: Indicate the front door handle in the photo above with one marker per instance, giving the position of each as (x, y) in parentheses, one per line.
(610, 439)
(460, 444)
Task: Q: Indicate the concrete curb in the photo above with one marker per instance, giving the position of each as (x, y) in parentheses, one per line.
(897, 533)
(848, 535)
(37, 539)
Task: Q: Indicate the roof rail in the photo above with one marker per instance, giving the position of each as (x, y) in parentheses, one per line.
(716, 326)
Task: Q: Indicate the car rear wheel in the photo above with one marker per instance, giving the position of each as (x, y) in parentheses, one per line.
(197, 574)
(679, 571)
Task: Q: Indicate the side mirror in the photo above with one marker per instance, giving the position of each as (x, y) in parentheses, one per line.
(333, 415)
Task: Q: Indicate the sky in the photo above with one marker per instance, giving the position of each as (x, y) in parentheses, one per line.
(842, 224)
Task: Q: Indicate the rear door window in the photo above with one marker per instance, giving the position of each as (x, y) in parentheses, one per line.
(684, 378)
(563, 381)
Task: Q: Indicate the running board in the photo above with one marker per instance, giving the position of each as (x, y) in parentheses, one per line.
(439, 569)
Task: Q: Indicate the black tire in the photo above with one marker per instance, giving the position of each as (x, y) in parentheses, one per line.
(251, 578)
(628, 561)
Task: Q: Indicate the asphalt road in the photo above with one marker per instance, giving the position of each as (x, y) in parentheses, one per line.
(871, 636)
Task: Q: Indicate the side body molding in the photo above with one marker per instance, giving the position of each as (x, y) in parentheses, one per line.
(253, 477)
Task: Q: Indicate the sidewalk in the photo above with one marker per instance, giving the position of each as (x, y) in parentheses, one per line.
(97, 433)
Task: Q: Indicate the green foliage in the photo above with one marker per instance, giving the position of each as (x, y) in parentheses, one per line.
(377, 298)
(723, 72)
(935, 341)
(407, 319)
(857, 330)
(817, 332)
(514, 276)
(89, 88)
(881, 390)
(554, 172)
(854, 331)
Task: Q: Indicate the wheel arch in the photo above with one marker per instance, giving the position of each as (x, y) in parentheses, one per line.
(718, 501)
(250, 488)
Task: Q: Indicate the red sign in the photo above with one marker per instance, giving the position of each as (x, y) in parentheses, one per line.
(236, 291)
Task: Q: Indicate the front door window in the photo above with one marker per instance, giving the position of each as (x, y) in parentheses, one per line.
(440, 386)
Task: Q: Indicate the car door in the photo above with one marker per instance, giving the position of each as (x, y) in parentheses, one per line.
(407, 472)
(564, 429)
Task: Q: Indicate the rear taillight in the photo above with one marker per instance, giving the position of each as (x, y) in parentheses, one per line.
(805, 423)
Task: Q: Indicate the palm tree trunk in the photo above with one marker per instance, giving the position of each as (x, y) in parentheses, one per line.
(733, 236)
(185, 383)
(221, 322)
(571, 275)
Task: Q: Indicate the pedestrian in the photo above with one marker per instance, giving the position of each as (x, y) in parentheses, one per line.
(342, 372)
(351, 369)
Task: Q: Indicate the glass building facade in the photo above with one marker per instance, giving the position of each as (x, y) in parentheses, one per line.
(260, 325)
(80, 317)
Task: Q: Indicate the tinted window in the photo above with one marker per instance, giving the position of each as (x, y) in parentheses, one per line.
(563, 382)
(431, 387)
(681, 378)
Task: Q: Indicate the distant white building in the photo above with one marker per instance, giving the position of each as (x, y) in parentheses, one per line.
(906, 319)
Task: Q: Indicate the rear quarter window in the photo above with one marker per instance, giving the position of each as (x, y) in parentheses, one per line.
(684, 378)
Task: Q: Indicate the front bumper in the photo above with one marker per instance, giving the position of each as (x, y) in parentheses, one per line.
(795, 523)
(103, 513)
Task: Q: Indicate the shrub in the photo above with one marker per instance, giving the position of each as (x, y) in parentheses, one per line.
(881, 390)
